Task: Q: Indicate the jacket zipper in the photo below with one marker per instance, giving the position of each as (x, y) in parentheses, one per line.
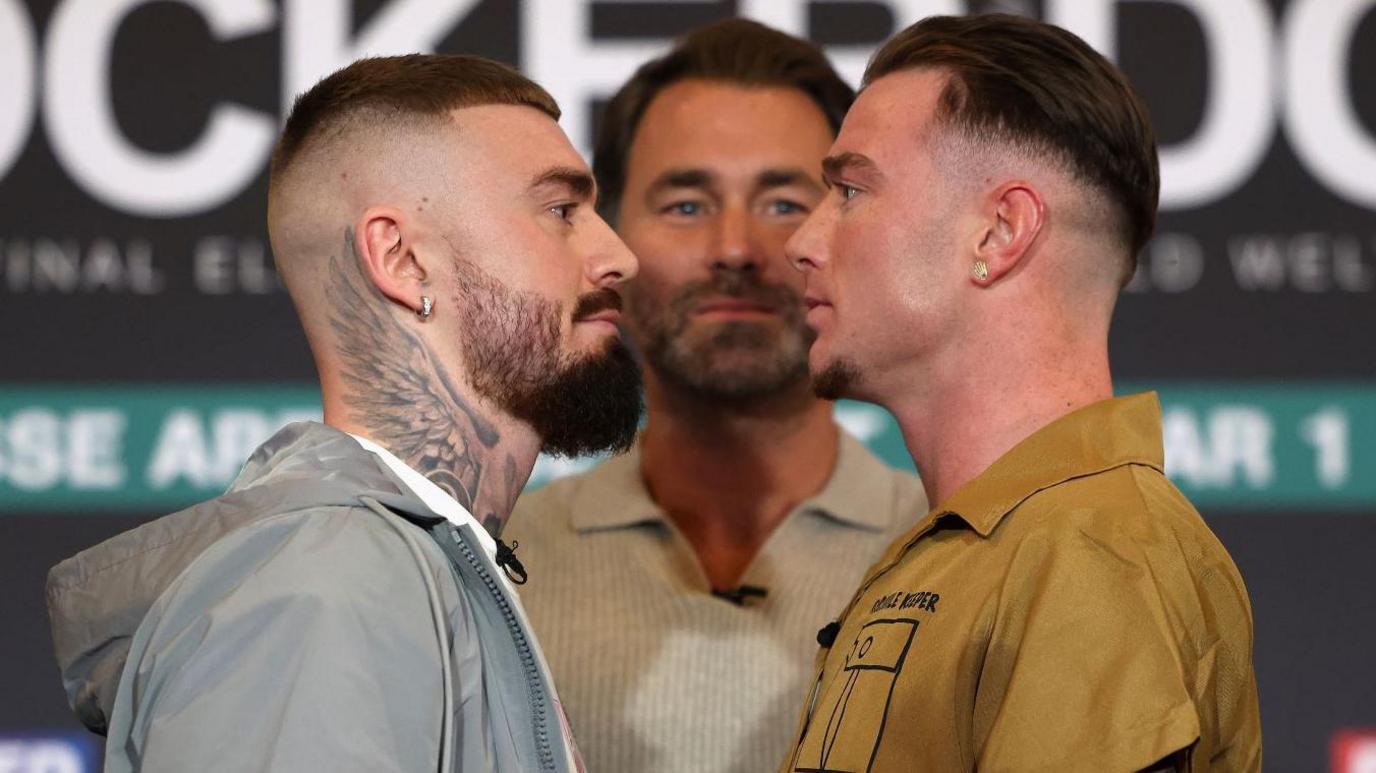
(535, 692)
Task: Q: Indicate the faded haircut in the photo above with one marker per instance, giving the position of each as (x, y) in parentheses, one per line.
(421, 86)
(1040, 90)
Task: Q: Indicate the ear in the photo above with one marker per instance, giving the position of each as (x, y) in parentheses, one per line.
(1015, 216)
(383, 239)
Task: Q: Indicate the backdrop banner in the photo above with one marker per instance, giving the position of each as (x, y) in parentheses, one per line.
(137, 449)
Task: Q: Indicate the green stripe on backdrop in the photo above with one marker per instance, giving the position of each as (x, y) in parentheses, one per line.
(1300, 446)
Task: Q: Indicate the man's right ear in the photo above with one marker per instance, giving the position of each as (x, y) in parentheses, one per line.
(386, 255)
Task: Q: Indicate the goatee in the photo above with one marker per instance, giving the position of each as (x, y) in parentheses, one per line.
(836, 380)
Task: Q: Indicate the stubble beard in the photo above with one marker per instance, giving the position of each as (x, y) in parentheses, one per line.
(578, 404)
(739, 361)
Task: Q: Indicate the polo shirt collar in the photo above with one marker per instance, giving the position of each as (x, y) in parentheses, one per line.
(1093, 439)
(852, 496)
(613, 495)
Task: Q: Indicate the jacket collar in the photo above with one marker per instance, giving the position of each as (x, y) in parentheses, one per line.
(290, 465)
(613, 495)
(1093, 439)
(435, 500)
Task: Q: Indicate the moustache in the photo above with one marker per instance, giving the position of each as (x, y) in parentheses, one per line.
(741, 286)
(596, 302)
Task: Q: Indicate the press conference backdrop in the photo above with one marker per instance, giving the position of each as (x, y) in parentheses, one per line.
(147, 345)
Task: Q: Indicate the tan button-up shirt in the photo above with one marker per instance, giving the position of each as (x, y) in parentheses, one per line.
(1067, 610)
(657, 674)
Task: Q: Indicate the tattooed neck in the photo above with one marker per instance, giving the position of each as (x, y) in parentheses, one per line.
(401, 396)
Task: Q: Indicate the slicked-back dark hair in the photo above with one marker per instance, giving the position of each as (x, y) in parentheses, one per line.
(1038, 86)
(423, 85)
(735, 51)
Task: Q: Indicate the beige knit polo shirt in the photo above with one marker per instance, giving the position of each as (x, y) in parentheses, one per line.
(655, 673)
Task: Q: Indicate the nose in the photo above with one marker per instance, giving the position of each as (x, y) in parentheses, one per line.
(806, 248)
(736, 244)
(610, 261)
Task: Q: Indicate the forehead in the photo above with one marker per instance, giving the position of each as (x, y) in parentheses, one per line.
(510, 142)
(703, 123)
(892, 117)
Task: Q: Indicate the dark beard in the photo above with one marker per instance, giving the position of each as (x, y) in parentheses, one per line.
(591, 405)
(836, 380)
(738, 361)
(577, 405)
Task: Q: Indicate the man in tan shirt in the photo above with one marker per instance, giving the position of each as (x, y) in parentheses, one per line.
(1062, 607)
(677, 590)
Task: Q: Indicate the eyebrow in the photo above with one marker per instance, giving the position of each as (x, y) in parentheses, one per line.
(701, 178)
(681, 178)
(578, 182)
(834, 166)
(778, 178)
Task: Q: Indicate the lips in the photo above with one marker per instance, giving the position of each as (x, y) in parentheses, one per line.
(602, 305)
(733, 297)
(610, 315)
(733, 306)
(816, 316)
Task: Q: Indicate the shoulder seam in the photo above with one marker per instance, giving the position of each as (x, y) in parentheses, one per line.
(103, 569)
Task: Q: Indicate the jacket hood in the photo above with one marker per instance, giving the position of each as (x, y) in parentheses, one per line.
(97, 598)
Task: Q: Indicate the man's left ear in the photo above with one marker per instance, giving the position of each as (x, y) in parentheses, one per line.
(1015, 218)
(386, 252)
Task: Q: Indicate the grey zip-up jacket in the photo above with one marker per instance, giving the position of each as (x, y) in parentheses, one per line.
(318, 616)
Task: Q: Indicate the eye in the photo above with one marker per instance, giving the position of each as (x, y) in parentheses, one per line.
(786, 207)
(848, 192)
(683, 208)
(564, 211)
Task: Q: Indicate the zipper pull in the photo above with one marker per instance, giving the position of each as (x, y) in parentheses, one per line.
(507, 560)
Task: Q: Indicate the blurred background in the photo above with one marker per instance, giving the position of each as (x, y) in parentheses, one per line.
(147, 346)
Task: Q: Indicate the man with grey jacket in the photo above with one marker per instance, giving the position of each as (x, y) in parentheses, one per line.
(347, 604)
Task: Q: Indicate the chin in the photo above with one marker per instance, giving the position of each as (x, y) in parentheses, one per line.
(818, 360)
(835, 379)
(592, 343)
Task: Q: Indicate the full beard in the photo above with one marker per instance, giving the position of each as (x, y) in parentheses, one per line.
(734, 361)
(577, 404)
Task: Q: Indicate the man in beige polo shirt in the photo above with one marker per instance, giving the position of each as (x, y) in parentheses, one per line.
(677, 590)
(1062, 607)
